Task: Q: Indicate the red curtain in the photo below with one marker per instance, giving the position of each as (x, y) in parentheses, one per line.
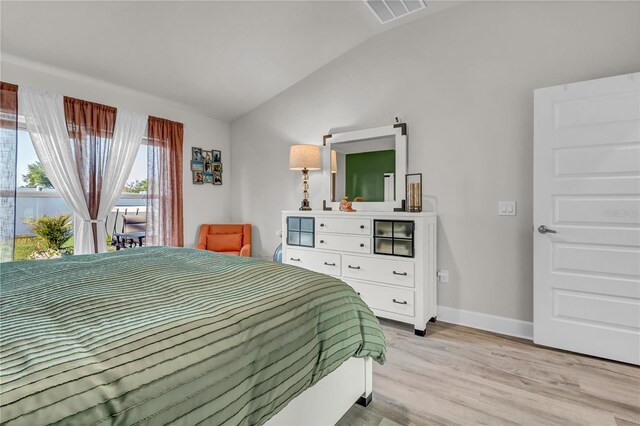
(8, 151)
(90, 127)
(164, 174)
(9, 106)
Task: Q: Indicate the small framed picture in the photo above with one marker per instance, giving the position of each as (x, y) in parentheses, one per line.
(206, 159)
(196, 154)
(197, 166)
(207, 178)
(198, 178)
(216, 156)
(217, 178)
(217, 167)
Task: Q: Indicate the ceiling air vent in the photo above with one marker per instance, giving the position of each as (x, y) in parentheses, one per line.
(388, 10)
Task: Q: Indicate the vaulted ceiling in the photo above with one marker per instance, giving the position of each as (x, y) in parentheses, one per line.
(221, 57)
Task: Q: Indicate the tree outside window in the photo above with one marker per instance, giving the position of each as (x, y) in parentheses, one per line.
(36, 177)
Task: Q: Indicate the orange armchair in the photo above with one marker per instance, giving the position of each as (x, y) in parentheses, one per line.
(228, 239)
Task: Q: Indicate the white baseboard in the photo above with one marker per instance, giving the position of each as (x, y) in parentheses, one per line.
(496, 324)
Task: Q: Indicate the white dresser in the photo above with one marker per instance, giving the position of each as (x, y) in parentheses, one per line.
(389, 258)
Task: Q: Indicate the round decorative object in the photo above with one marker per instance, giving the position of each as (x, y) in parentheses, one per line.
(277, 255)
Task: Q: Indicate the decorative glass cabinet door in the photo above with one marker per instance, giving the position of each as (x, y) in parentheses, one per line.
(300, 231)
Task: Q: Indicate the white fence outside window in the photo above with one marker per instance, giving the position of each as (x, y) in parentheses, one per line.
(31, 203)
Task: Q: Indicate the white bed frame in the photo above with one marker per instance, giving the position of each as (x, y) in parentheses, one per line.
(328, 400)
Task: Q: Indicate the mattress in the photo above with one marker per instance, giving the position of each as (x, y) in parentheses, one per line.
(159, 335)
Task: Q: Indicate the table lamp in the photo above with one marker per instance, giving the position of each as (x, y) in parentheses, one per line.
(305, 158)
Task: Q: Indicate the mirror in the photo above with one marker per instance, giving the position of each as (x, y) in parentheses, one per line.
(368, 164)
(364, 169)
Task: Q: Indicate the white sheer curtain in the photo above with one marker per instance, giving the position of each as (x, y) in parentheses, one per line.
(45, 120)
(127, 137)
(44, 117)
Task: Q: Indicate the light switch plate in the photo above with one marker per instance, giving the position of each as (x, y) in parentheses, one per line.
(506, 208)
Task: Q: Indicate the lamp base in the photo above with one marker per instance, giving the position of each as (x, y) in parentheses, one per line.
(305, 206)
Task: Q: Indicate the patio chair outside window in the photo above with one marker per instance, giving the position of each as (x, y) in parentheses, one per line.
(133, 232)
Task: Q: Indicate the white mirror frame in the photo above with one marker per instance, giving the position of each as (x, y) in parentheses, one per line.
(399, 131)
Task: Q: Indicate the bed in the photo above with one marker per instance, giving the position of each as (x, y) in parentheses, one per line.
(161, 335)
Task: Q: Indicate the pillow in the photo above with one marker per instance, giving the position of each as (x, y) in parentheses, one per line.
(224, 242)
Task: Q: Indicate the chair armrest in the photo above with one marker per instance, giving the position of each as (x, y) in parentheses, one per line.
(246, 250)
(200, 247)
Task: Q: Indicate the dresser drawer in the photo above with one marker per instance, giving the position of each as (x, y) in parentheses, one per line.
(350, 243)
(389, 299)
(318, 261)
(387, 271)
(357, 226)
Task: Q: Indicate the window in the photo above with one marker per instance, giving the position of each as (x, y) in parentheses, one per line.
(36, 196)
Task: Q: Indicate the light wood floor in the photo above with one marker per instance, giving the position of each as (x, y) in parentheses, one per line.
(459, 375)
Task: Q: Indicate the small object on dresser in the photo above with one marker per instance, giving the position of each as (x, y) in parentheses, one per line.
(347, 206)
(414, 192)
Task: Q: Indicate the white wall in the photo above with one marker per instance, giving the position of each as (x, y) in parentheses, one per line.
(463, 81)
(202, 203)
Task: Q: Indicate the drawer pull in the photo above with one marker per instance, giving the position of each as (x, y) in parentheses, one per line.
(361, 244)
(322, 225)
(404, 274)
(399, 303)
(361, 226)
(354, 267)
(330, 264)
(295, 260)
(321, 241)
(358, 293)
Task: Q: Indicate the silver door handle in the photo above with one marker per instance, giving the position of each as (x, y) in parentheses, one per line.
(544, 230)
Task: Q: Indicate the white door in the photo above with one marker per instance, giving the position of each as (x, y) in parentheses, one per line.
(587, 195)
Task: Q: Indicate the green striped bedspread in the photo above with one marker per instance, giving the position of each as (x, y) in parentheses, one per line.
(161, 335)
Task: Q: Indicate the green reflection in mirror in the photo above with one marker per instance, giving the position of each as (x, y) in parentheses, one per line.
(365, 174)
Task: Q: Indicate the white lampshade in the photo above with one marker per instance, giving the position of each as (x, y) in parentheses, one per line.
(304, 157)
(334, 161)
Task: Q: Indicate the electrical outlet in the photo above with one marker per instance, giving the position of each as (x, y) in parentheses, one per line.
(443, 276)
